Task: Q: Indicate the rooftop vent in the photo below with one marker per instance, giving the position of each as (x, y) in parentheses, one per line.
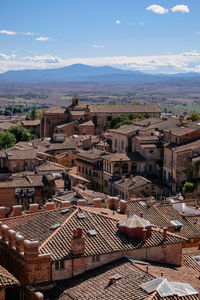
(177, 224)
(81, 216)
(8, 153)
(92, 232)
(116, 276)
(142, 203)
(55, 226)
(64, 211)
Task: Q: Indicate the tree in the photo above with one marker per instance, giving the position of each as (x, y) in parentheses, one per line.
(7, 140)
(21, 134)
(194, 116)
(33, 114)
(120, 120)
(188, 187)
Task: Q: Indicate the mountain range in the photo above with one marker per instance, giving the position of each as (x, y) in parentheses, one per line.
(85, 73)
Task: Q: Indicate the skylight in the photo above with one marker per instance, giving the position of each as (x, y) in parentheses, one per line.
(64, 211)
(167, 289)
(55, 226)
(92, 232)
(197, 259)
(81, 216)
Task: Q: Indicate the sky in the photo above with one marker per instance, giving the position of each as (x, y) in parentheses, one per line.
(152, 36)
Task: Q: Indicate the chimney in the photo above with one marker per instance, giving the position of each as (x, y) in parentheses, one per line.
(116, 203)
(78, 242)
(31, 249)
(33, 208)
(97, 202)
(2, 212)
(81, 202)
(164, 234)
(19, 243)
(123, 178)
(65, 204)
(161, 274)
(50, 206)
(4, 232)
(127, 212)
(123, 206)
(141, 215)
(144, 235)
(17, 210)
(147, 269)
(196, 221)
(39, 296)
(131, 177)
(11, 237)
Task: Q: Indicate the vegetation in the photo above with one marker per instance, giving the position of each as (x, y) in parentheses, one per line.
(122, 119)
(20, 133)
(194, 116)
(188, 187)
(7, 140)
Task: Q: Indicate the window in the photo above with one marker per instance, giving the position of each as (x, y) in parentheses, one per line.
(72, 161)
(122, 145)
(105, 183)
(150, 151)
(115, 143)
(79, 168)
(96, 258)
(82, 169)
(109, 118)
(59, 265)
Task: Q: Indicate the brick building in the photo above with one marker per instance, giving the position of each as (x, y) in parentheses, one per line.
(73, 117)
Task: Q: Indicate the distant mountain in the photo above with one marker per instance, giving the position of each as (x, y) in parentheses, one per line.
(84, 73)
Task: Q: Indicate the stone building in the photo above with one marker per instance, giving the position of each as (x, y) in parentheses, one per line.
(134, 186)
(181, 163)
(74, 119)
(33, 126)
(90, 165)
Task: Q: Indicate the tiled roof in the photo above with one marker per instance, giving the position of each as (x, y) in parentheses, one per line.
(7, 279)
(28, 181)
(189, 146)
(107, 240)
(54, 110)
(188, 229)
(37, 226)
(188, 259)
(151, 138)
(125, 129)
(6, 125)
(31, 122)
(93, 154)
(77, 112)
(50, 166)
(179, 131)
(94, 284)
(20, 154)
(123, 108)
(132, 183)
(88, 123)
(150, 213)
(118, 157)
(58, 243)
(184, 274)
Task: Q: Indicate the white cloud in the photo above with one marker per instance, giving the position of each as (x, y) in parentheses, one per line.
(117, 22)
(7, 32)
(141, 24)
(157, 9)
(7, 57)
(43, 38)
(44, 59)
(27, 33)
(191, 53)
(180, 8)
(98, 46)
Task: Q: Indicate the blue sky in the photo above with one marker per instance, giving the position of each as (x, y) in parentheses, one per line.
(147, 35)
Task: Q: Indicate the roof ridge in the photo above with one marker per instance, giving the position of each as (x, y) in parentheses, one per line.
(66, 220)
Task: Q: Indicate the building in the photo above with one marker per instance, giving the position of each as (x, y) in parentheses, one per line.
(90, 166)
(74, 119)
(134, 186)
(33, 126)
(58, 244)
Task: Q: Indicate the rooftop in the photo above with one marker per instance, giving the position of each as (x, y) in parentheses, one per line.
(132, 183)
(123, 108)
(7, 279)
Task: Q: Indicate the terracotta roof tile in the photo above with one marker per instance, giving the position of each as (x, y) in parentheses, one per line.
(7, 279)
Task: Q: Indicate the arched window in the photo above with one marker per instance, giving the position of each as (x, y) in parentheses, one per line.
(116, 169)
(124, 168)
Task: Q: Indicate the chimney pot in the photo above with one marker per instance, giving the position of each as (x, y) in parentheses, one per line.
(147, 269)
(2, 212)
(141, 215)
(164, 234)
(50, 206)
(123, 178)
(17, 210)
(144, 235)
(33, 208)
(162, 273)
(19, 243)
(4, 232)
